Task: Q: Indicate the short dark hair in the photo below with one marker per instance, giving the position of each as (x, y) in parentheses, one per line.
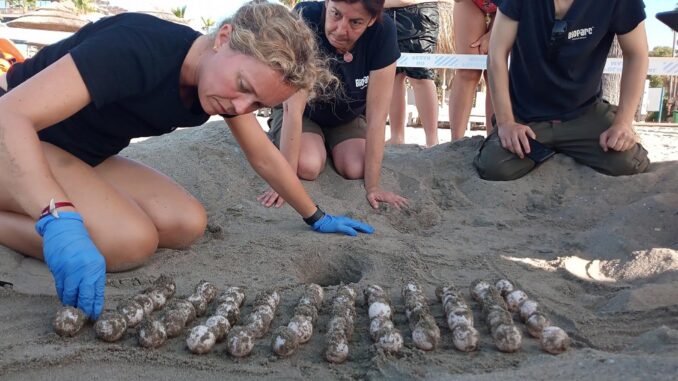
(374, 7)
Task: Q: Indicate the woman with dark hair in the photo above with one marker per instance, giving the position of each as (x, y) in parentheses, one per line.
(363, 50)
(70, 110)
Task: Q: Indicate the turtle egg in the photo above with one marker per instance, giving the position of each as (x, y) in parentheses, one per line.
(110, 326)
(132, 311)
(200, 339)
(68, 321)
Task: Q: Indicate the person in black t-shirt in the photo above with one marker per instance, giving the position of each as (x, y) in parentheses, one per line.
(363, 50)
(552, 90)
(128, 76)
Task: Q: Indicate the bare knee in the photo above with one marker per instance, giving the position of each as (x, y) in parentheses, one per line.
(184, 226)
(309, 168)
(351, 169)
(468, 76)
(129, 248)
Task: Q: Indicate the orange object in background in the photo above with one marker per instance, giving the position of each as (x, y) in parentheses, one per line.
(9, 55)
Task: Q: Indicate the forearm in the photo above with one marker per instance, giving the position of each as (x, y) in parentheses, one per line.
(26, 174)
(499, 88)
(634, 72)
(379, 93)
(290, 139)
(272, 167)
(270, 164)
(374, 152)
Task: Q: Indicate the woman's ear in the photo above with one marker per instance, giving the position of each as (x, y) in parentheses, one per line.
(223, 35)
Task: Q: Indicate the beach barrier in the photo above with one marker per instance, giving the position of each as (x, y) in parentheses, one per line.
(657, 66)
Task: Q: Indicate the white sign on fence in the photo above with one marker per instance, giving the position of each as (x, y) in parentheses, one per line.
(658, 65)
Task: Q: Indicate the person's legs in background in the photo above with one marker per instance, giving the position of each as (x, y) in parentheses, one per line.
(469, 26)
(426, 100)
(397, 112)
(417, 33)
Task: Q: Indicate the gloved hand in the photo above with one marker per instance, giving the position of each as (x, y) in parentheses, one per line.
(78, 268)
(341, 224)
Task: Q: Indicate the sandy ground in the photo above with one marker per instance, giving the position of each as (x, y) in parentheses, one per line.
(600, 255)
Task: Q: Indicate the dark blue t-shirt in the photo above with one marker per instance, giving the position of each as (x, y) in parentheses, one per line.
(131, 65)
(374, 50)
(564, 86)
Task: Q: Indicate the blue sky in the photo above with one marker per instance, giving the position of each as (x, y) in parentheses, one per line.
(658, 33)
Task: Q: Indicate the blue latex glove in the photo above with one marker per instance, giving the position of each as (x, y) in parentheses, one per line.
(78, 268)
(341, 224)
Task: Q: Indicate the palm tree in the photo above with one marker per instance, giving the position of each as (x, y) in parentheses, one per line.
(180, 12)
(83, 6)
(207, 23)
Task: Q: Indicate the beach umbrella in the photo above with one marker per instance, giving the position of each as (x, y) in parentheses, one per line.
(54, 17)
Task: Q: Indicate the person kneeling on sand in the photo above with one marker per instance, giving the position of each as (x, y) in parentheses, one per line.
(76, 104)
(552, 90)
(363, 50)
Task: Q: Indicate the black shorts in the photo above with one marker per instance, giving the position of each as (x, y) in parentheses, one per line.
(417, 27)
(2, 92)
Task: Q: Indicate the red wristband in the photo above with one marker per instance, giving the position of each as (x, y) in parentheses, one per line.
(51, 209)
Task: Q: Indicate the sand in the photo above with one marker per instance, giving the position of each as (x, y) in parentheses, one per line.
(600, 255)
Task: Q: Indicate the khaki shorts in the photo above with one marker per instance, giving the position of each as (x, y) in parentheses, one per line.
(332, 136)
(577, 138)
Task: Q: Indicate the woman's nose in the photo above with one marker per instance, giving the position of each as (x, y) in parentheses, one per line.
(242, 106)
(342, 28)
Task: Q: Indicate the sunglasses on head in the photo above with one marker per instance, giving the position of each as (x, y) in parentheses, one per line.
(558, 35)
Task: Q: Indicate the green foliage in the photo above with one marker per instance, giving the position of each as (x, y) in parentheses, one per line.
(25, 4)
(83, 6)
(207, 23)
(180, 12)
(660, 51)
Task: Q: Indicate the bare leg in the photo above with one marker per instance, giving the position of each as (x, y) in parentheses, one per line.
(312, 156)
(426, 100)
(124, 226)
(398, 110)
(469, 26)
(179, 218)
(349, 158)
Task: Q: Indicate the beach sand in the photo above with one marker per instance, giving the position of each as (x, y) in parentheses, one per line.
(600, 255)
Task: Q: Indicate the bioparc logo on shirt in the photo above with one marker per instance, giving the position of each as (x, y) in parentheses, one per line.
(361, 83)
(580, 34)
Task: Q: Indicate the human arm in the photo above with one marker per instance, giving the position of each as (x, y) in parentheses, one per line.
(513, 136)
(379, 90)
(483, 43)
(290, 141)
(621, 135)
(47, 98)
(271, 165)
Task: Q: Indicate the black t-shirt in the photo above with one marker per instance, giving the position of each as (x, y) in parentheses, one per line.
(374, 50)
(564, 86)
(131, 65)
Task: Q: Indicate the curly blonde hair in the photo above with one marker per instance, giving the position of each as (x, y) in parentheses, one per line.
(279, 38)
